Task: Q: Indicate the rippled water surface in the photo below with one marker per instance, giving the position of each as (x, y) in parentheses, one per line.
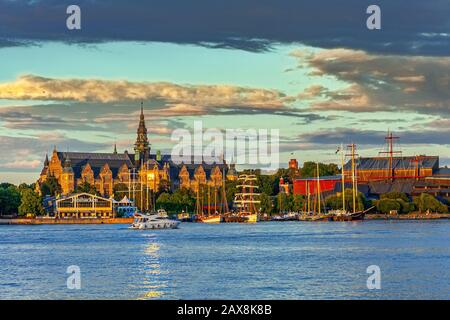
(272, 260)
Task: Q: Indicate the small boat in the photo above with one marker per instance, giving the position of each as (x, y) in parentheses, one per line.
(340, 215)
(184, 217)
(210, 218)
(158, 220)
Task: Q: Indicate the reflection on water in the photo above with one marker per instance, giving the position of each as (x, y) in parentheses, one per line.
(290, 260)
(152, 283)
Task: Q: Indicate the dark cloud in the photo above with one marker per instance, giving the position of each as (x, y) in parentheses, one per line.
(378, 82)
(408, 26)
(374, 138)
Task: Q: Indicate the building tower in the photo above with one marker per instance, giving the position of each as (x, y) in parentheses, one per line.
(67, 177)
(141, 146)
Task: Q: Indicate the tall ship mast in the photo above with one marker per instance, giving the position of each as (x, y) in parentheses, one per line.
(246, 200)
(207, 217)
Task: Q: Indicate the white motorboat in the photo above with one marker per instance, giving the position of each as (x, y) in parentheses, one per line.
(157, 220)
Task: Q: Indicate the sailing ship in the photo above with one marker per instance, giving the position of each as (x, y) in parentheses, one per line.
(316, 214)
(246, 200)
(343, 214)
(208, 216)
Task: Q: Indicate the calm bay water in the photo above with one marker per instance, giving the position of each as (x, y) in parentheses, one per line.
(273, 260)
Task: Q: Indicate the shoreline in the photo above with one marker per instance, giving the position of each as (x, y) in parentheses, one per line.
(42, 221)
(408, 216)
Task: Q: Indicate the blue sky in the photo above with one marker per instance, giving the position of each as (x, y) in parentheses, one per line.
(320, 78)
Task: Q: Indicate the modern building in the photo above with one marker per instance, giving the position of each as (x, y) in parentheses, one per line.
(84, 205)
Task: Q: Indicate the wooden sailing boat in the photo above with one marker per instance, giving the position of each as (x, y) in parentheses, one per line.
(316, 214)
(343, 215)
(201, 216)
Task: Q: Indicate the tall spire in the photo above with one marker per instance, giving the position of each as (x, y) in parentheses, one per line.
(141, 146)
(115, 148)
(46, 162)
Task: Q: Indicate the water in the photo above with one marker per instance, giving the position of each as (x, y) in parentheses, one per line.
(273, 260)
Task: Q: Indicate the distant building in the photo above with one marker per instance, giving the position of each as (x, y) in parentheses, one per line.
(106, 170)
(304, 185)
(379, 168)
(293, 164)
(84, 205)
(283, 186)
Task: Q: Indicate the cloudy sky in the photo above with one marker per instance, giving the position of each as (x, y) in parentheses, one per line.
(309, 68)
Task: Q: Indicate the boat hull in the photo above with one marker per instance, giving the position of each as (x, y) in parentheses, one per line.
(315, 218)
(350, 217)
(210, 219)
(155, 225)
(241, 218)
(251, 218)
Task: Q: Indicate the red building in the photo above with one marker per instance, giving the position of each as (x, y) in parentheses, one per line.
(301, 186)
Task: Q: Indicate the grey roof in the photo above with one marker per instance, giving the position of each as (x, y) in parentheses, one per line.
(442, 172)
(382, 163)
(96, 160)
(380, 187)
(364, 188)
(115, 160)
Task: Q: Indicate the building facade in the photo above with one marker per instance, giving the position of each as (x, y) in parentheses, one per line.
(104, 171)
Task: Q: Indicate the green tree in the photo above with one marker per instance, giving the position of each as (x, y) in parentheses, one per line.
(310, 169)
(120, 190)
(298, 203)
(165, 201)
(266, 204)
(427, 202)
(335, 201)
(395, 196)
(164, 186)
(9, 199)
(51, 186)
(283, 202)
(86, 187)
(387, 205)
(267, 184)
(31, 203)
(230, 189)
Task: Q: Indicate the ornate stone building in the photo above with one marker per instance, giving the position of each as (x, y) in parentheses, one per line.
(106, 170)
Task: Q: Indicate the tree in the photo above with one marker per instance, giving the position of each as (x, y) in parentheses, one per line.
(86, 187)
(9, 199)
(335, 201)
(283, 202)
(164, 186)
(387, 205)
(31, 203)
(230, 189)
(267, 184)
(395, 196)
(427, 202)
(298, 203)
(181, 199)
(120, 190)
(310, 169)
(165, 201)
(51, 186)
(266, 204)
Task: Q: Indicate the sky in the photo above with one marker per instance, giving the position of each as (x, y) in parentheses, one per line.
(311, 69)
